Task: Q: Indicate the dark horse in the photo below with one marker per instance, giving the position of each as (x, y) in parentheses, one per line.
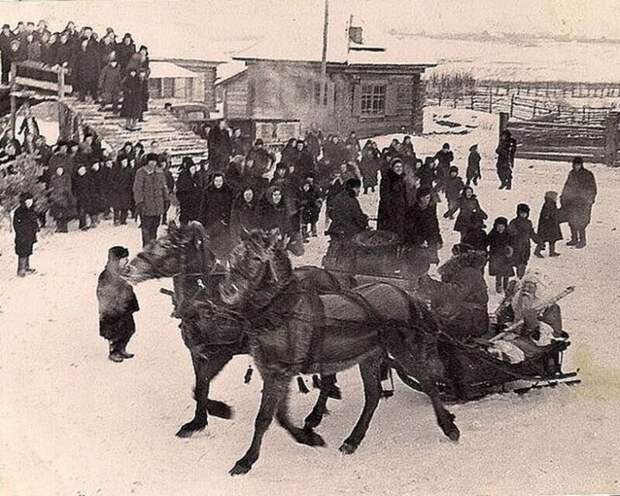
(184, 254)
(292, 331)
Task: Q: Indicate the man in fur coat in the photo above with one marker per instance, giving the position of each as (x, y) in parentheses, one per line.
(461, 298)
(117, 304)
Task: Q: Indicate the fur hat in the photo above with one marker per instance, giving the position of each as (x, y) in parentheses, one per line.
(500, 221)
(523, 207)
(423, 192)
(453, 168)
(258, 142)
(152, 157)
(117, 253)
(578, 161)
(352, 183)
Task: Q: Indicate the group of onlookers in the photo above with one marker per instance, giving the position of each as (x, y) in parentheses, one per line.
(105, 69)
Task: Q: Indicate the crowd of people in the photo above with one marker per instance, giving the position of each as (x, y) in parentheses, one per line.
(104, 69)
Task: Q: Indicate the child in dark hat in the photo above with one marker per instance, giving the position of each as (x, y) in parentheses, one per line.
(117, 304)
(522, 231)
(26, 228)
(473, 166)
(476, 236)
(549, 229)
(453, 187)
(311, 200)
(500, 254)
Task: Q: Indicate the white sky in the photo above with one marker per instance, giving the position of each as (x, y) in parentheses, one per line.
(218, 19)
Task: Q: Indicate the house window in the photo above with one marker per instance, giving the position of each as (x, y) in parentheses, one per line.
(155, 88)
(168, 88)
(373, 99)
(317, 94)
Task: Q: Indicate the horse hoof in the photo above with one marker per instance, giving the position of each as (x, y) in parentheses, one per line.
(347, 448)
(311, 438)
(220, 410)
(187, 430)
(240, 468)
(453, 433)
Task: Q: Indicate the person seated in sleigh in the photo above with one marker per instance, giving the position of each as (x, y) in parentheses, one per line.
(460, 299)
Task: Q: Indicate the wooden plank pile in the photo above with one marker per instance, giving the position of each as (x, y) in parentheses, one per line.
(172, 134)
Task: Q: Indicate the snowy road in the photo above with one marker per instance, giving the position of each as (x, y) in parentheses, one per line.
(73, 423)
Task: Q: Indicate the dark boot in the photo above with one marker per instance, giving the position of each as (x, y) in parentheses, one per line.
(27, 266)
(538, 251)
(124, 354)
(21, 266)
(581, 239)
(573, 237)
(552, 252)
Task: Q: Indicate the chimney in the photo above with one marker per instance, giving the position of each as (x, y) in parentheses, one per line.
(356, 34)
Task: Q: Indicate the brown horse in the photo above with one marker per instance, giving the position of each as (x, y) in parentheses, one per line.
(184, 254)
(293, 331)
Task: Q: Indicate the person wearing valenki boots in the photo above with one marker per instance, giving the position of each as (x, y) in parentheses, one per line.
(549, 225)
(26, 227)
(117, 304)
(577, 199)
(500, 254)
(522, 231)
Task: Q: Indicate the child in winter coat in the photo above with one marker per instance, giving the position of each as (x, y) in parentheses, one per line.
(522, 231)
(473, 166)
(476, 236)
(467, 204)
(500, 254)
(26, 227)
(453, 187)
(310, 203)
(549, 225)
(117, 304)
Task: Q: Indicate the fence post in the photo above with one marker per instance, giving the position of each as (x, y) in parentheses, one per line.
(472, 102)
(503, 122)
(490, 100)
(611, 138)
(512, 105)
(534, 110)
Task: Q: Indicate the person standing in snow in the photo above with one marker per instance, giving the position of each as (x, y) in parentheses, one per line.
(506, 150)
(117, 304)
(549, 229)
(521, 232)
(151, 197)
(473, 173)
(577, 198)
(26, 228)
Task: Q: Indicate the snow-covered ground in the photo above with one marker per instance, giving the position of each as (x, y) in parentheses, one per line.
(74, 423)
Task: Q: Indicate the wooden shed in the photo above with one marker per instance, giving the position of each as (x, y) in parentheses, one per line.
(368, 89)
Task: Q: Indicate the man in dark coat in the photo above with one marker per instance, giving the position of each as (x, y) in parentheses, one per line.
(577, 198)
(304, 163)
(86, 69)
(132, 100)
(121, 178)
(5, 52)
(215, 212)
(259, 162)
(444, 159)
(461, 298)
(83, 191)
(189, 191)
(393, 200)
(110, 86)
(151, 197)
(348, 219)
(220, 147)
(63, 51)
(117, 304)
(506, 150)
(26, 227)
(422, 238)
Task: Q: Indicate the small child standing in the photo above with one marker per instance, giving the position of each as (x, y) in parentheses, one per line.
(453, 187)
(476, 236)
(311, 202)
(549, 230)
(500, 254)
(473, 166)
(117, 304)
(522, 231)
(26, 227)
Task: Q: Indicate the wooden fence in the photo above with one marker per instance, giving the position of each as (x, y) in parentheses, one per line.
(525, 108)
(540, 140)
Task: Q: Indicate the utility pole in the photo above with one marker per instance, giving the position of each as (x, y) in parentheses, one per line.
(323, 88)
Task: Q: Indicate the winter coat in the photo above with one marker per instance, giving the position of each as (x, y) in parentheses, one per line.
(117, 302)
(500, 261)
(506, 150)
(262, 161)
(98, 180)
(132, 98)
(33, 51)
(189, 194)
(61, 198)
(310, 202)
(473, 166)
(426, 176)
(216, 206)
(274, 216)
(124, 53)
(549, 223)
(121, 179)
(220, 148)
(453, 187)
(461, 298)
(110, 80)
(578, 196)
(521, 231)
(244, 216)
(422, 226)
(86, 67)
(476, 238)
(392, 203)
(26, 227)
(347, 216)
(150, 192)
(369, 166)
(466, 207)
(63, 54)
(407, 154)
(83, 191)
(304, 163)
(444, 159)
(63, 161)
(5, 52)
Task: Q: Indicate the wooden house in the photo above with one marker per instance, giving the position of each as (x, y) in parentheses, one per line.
(369, 89)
